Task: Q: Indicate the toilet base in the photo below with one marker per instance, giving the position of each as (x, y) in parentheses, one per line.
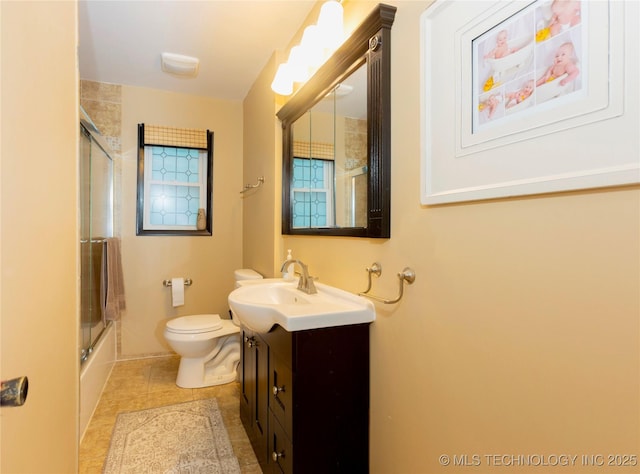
(199, 372)
(192, 373)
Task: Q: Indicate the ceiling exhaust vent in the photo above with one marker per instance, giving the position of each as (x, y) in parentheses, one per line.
(180, 65)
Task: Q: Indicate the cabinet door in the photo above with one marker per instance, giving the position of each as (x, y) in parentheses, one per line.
(261, 405)
(247, 379)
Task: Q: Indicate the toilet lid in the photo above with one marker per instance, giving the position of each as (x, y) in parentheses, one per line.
(195, 323)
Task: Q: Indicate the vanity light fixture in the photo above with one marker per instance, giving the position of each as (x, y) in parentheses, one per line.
(318, 42)
(297, 68)
(330, 24)
(180, 65)
(283, 83)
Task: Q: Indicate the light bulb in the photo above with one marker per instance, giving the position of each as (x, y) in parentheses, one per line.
(330, 24)
(282, 83)
(312, 46)
(298, 65)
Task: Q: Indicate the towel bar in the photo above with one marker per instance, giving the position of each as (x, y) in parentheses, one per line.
(407, 274)
(247, 187)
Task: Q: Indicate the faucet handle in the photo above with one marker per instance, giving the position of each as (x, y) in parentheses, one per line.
(311, 286)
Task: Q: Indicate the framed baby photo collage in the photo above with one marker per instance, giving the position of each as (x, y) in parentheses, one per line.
(534, 86)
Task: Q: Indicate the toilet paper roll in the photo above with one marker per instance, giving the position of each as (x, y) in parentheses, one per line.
(177, 291)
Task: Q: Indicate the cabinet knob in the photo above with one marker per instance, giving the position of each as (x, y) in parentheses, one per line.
(276, 456)
(277, 390)
(251, 341)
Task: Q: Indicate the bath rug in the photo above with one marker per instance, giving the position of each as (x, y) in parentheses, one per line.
(184, 438)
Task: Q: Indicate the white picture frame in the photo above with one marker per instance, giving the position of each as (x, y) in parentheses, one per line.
(586, 137)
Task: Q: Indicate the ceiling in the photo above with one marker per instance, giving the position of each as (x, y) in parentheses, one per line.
(121, 42)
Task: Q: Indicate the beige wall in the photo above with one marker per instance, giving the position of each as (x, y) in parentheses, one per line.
(208, 261)
(521, 332)
(261, 206)
(39, 239)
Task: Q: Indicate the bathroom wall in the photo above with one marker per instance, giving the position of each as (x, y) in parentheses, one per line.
(262, 141)
(520, 335)
(148, 260)
(116, 110)
(39, 234)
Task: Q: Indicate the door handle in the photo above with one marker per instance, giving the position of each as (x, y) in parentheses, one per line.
(13, 393)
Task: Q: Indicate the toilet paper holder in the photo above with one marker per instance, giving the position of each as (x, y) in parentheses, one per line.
(187, 282)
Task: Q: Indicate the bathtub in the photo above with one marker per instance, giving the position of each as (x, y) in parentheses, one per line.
(520, 106)
(507, 66)
(551, 90)
(94, 374)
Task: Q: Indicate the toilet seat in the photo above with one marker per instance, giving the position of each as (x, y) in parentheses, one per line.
(194, 324)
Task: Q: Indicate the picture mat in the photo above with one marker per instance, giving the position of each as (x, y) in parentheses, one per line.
(572, 153)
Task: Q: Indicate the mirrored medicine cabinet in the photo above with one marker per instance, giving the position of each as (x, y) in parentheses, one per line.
(337, 140)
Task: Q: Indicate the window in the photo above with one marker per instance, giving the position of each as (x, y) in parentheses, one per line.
(312, 193)
(174, 181)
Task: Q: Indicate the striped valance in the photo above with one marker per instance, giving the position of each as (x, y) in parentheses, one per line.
(172, 136)
(323, 151)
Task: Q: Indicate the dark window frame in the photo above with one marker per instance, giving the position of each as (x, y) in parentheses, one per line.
(140, 206)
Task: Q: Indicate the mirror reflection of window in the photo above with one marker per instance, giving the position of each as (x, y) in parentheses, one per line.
(358, 78)
(329, 166)
(312, 193)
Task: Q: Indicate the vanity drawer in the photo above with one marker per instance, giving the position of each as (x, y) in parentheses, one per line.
(280, 448)
(281, 393)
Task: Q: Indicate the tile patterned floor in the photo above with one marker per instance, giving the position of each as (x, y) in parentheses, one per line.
(148, 383)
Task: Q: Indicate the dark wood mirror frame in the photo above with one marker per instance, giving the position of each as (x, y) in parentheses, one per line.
(370, 43)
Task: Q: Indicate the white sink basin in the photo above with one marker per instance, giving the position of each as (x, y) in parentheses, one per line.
(260, 304)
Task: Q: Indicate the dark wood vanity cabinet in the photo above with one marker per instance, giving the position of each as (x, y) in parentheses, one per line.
(254, 389)
(305, 399)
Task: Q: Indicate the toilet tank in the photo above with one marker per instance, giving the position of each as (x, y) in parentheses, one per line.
(245, 274)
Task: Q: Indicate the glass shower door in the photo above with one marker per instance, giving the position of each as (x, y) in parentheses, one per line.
(96, 220)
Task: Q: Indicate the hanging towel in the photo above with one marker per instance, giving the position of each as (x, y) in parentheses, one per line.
(92, 286)
(115, 303)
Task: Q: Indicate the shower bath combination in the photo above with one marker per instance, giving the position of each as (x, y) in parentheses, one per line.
(96, 335)
(96, 225)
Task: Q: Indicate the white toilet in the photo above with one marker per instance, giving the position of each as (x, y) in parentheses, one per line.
(209, 347)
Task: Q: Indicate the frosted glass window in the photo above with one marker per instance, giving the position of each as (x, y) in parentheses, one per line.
(173, 205)
(311, 193)
(174, 187)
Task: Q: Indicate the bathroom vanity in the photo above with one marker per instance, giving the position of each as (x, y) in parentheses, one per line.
(304, 362)
(305, 398)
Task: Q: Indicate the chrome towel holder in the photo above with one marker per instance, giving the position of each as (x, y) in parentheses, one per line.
(407, 274)
(248, 187)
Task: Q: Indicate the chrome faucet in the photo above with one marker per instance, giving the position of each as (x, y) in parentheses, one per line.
(306, 282)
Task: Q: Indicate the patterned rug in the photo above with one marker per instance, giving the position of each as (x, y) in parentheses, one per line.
(184, 438)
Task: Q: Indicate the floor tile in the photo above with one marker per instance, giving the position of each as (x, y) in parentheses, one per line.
(148, 383)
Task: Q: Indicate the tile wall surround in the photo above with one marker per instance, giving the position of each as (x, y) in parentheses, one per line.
(355, 139)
